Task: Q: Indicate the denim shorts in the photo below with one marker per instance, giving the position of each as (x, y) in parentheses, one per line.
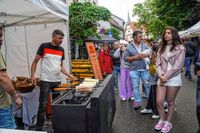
(6, 118)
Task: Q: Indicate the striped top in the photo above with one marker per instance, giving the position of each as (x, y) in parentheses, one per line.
(52, 57)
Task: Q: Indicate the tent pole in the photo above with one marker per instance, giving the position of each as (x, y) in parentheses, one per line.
(5, 46)
(68, 46)
(27, 50)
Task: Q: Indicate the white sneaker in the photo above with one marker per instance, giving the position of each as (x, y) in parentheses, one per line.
(155, 116)
(144, 96)
(166, 110)
(146, 111)
(165, 104)
(123, 99)
(132, 98)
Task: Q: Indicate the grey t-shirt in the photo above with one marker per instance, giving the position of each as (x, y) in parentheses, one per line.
(5, 100)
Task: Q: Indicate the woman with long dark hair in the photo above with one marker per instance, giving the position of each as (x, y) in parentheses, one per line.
(169, 64)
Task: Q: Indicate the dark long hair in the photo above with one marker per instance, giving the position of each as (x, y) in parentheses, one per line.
(175, 39)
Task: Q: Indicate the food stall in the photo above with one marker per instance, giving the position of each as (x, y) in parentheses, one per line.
(91, 111)
(26, 24)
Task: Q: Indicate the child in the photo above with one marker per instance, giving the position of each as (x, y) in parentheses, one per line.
(151, 104)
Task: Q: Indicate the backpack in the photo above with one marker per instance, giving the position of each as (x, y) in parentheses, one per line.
(152, 69)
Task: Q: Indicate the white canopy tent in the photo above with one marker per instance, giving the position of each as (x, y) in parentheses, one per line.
(28, 23)
(192, 31)
(195, 29)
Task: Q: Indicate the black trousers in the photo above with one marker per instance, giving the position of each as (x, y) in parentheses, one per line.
(151, 103)
(45, 88)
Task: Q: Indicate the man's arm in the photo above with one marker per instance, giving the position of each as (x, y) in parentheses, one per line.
(136, 57)
(64, 71)
(130, 58)
(7, 85)
(33, 68)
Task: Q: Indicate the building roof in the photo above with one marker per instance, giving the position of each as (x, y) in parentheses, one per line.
(117, 22)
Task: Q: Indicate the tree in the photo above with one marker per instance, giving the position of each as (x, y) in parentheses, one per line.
(157, 14)
(83, 18)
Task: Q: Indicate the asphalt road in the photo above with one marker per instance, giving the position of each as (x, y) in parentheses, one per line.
(128, 120)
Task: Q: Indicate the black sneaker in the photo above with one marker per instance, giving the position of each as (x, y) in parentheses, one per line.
(49, 116)
(198, 131)
(185, 75)
(35, 128)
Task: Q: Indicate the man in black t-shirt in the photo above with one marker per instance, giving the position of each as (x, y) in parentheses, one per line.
(52, 56)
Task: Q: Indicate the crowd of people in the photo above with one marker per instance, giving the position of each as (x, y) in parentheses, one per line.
(158, 65)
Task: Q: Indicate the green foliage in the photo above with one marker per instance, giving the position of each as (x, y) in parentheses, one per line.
(157, 14)
(115, 32)
(83, 18)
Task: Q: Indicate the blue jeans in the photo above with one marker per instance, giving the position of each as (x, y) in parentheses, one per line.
(135, 79)
(188, 61)
(6, 118)
(116, 72)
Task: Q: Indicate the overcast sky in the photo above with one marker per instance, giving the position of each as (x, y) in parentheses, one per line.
(120, 7)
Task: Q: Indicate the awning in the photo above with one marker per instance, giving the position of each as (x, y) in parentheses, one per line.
(21, 12)
(192, 31)
(103, 38)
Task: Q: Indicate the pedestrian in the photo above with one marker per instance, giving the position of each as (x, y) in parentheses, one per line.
(105, 60)
(151, 103)
(147, 62)
(6, 90)
(116, 65)
(125, 80)
(189, 53)
(52, 64)
(197, 72)
(138, 67)
(169, 67)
